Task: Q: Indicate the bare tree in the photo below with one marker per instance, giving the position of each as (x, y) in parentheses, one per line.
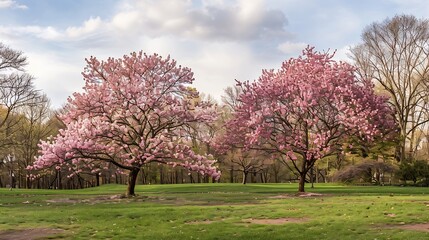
(16, 92)
(395, 53)
(247, 161)
(37, 125)
(10, 58)
(16, 86)
(230, 98)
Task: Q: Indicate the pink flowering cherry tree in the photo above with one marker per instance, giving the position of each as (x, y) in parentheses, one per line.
(305, 110)
(133, 111)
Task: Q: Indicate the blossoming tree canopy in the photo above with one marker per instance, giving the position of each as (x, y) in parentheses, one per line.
(133, 111)
(304, 110)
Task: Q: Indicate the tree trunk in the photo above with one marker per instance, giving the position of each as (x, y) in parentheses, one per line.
(400, 150)
(306, 167)
(317, 174)
(302, 175)
(80, 181)
(143, 177)
(27, 181)
(276, 176)
(252, 177)
(377, 176)
(97, 179)
(245, 177)
(161, 175)
(302, 182)
(132, 178)
(59, 183)
(410, 156)
(12, 179)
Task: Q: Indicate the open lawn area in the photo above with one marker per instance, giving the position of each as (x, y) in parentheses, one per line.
(216, 211)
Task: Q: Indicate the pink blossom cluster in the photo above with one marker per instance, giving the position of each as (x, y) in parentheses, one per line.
(306, 108)
(132, 112)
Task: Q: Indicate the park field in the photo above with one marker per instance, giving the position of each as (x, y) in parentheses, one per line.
(217, 211)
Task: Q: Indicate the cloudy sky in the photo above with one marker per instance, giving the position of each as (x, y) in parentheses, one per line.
(221, 40)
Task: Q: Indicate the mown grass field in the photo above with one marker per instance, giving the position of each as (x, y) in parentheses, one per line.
(217, 211)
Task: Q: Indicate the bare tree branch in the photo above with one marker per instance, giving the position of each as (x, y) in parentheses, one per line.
(395, 53)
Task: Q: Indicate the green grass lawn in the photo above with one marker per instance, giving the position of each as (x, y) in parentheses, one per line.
(218, 211)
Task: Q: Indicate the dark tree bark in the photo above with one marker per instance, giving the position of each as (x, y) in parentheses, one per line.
(245, 174)
(97, 179)
(132, 179)
(301, 187)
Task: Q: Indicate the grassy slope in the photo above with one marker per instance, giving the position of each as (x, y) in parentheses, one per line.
(164, 212)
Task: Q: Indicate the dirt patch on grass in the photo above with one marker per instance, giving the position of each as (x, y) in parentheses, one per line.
(202, 222)
(63, 200)
(29, 234)
(281, 196)
(309, 194)
(99, 199)
(275, 221)
(422, 227)
(302, 194)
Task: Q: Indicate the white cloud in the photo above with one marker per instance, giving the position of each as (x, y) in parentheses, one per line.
(88, 27)
(292, 48)
(11, 4)
(217, 65)
(212, 20)
(47, 33)
(242, 20)
(20, 6)
(342, 54)
(125, 20)
(50, 33)
(57, 75)
(6, 3)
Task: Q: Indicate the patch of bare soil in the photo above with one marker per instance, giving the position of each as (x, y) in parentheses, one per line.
(62, 200)
(423, 227)
(99, 199)
(29, 234)
(281, 196)
(201, 222)
(308, 194)
(301, 194)
(276, 221)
